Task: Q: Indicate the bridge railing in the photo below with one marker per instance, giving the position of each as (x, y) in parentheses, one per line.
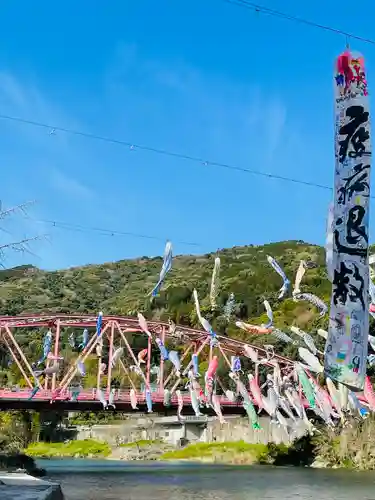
(89, 395)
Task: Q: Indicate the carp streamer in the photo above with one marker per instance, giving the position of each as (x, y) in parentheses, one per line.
(206, 325)
(286, 283)
(299, 275)
(308, 297)
(316, 301)
(166, 267)
(269, 314)
(215, 283)
(229, 307)
(99, 324)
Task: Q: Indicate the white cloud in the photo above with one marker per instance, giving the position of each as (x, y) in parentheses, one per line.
(69, 185)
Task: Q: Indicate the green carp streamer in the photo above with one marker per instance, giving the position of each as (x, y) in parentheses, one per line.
(307, 388)
(252, 414)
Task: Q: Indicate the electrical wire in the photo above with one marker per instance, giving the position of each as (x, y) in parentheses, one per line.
(282, 15)
(181, 156)
(106, 231)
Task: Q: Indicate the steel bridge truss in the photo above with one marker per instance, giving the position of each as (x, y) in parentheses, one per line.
(115, 331)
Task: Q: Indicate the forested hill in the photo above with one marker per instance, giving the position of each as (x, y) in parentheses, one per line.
(122, 287)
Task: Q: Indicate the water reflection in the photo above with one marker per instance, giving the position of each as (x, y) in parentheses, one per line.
(206, 483)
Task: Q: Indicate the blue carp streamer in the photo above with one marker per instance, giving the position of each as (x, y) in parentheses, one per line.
(286, 283)
(163, 350)
(47, 344)
(195, 364)
(236, 364)
(166, 267)
(313, 299)
(99, 324)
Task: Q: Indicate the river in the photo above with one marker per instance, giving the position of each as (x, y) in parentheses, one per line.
(110, 480)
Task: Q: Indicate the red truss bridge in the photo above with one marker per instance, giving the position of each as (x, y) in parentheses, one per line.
(60, 389)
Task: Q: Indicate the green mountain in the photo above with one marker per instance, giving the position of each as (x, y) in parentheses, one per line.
(123, 287)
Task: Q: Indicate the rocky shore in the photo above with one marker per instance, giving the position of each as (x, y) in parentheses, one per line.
(141, 450)
(20, 462)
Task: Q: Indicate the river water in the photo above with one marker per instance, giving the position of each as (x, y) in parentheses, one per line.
(110, 480)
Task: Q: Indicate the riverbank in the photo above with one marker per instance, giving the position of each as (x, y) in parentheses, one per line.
(19, 461)
(90, 448)
(87, 448)
(350, 446)
(234, 453)
(231, 453)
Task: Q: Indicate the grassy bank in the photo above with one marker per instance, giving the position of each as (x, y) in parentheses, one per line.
(236, 452)
(87, 448)
(350, 446)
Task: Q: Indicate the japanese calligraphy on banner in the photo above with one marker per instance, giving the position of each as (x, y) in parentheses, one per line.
(346, 347)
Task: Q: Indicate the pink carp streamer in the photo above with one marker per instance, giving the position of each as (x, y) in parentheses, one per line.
(142, 355)
(369, 393)
(255, 391)
(261, 330)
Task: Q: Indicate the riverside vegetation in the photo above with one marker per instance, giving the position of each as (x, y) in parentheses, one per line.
(23, 434)
(350, 446)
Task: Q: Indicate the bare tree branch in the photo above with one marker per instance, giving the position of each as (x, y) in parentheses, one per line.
(12, 210)
(21, 245)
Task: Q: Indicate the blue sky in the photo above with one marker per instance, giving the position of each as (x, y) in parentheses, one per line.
(199, 77)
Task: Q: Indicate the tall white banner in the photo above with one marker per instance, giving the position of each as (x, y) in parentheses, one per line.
(346, 347)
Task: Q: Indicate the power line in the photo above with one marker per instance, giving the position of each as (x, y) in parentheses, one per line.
(282, 15)
(107, 232)
(181, 156)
